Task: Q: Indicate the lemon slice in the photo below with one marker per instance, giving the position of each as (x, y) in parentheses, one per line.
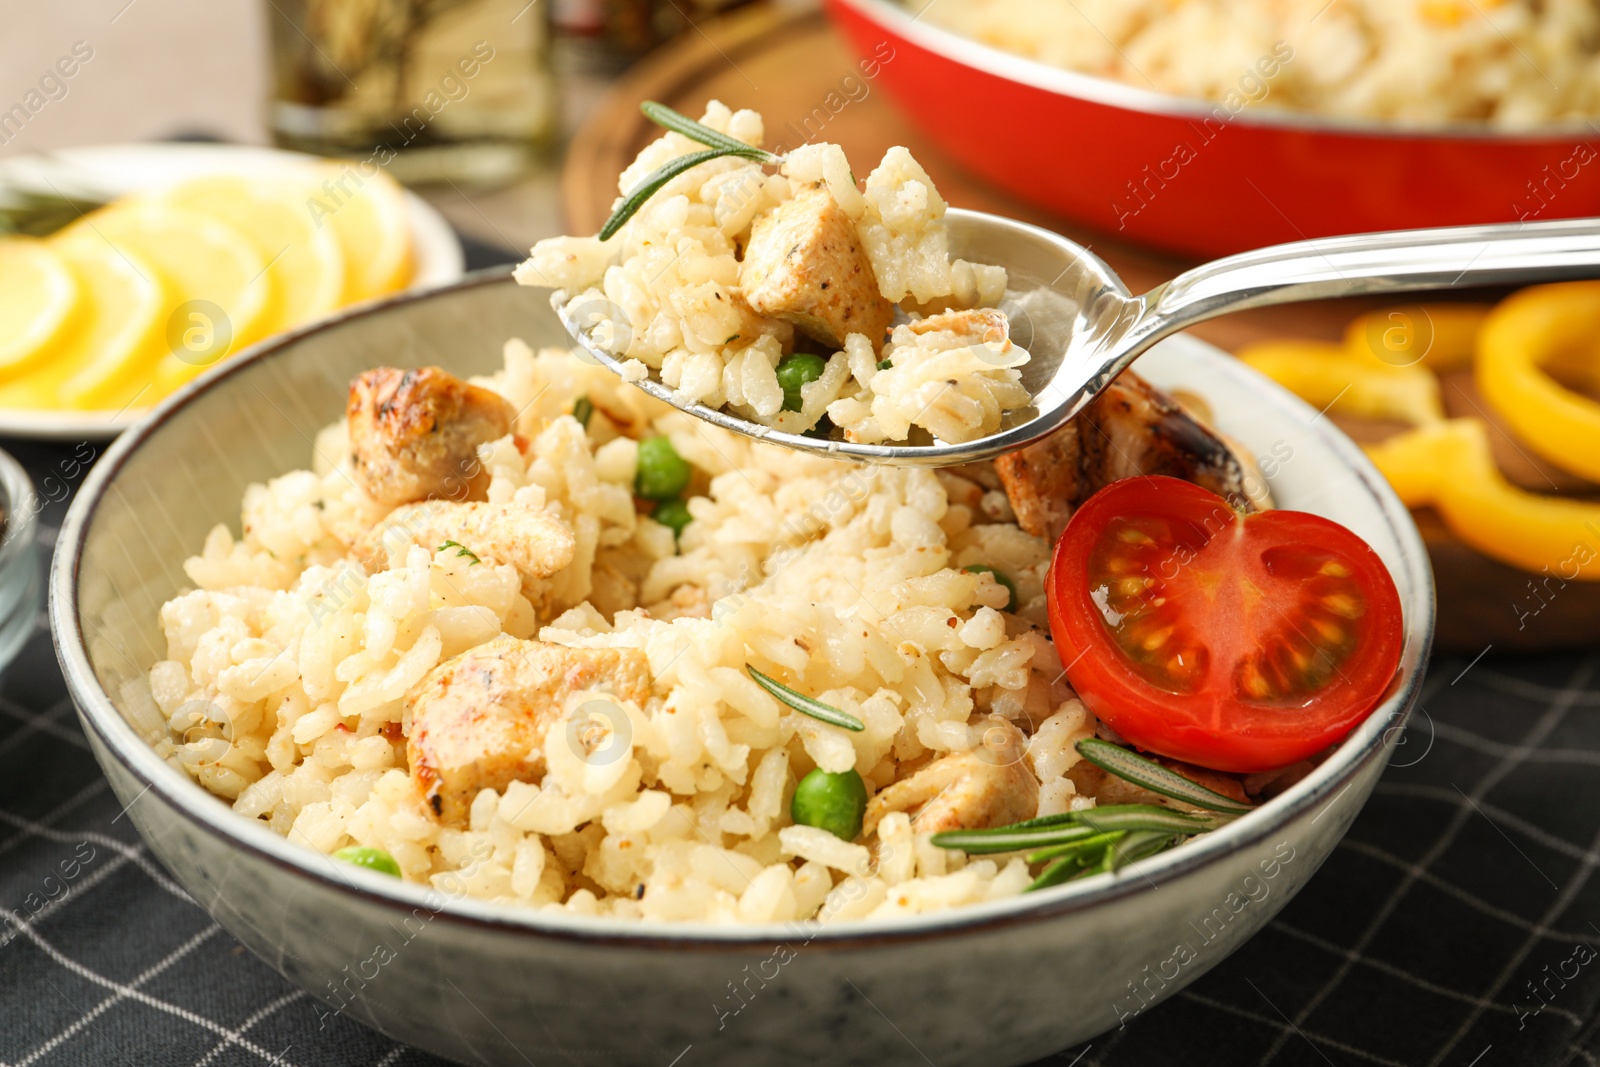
(219, 292)
(367, 213)
(37, 292)
(304, 260)
(115, 334)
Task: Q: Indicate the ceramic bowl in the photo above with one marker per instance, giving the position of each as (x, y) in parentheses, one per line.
(1000, 983)
(21, 572)
(1199, 178)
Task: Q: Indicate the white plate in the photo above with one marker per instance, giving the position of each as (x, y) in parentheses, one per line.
(114, 170)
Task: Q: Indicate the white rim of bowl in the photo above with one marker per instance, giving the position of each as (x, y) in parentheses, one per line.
(1369, 741)
(893, 18)
(21, 502)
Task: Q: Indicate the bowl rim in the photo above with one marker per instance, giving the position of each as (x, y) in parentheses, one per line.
(20, 501)
(893, 18)
(115, 738)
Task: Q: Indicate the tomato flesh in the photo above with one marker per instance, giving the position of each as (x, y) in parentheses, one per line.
(1237, 642)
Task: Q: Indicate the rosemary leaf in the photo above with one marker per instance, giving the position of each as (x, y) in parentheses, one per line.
(1073, 827)
(1082, 848)
(1062, 870)
(1134, 768)
(1138, 845)
(1012, 839)
(1171, 822)
(651, 185)
(717, 145)
(677, 122)
(806, 705)
(1065, 818)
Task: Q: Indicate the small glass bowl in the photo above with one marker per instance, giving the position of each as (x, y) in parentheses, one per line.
(21, 577)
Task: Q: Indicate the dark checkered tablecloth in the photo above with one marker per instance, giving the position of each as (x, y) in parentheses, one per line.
(1455, 925)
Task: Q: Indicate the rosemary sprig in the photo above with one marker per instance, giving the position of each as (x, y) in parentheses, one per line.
(1137, 845)
(1114, 759)
(677, 122)
(462, 550)
(718, 146)
(1146, 817)
(806, 705)
(1014, 838)
(1076, 827)
(1065, 869)
(1077, 844)
(1093, 843)
(1101, 855)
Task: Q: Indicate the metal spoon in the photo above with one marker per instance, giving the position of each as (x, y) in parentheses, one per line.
(1083, 328)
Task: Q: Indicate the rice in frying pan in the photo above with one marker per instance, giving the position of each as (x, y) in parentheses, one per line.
(1507, 63)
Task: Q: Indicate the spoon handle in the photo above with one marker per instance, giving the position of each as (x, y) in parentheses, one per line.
(1362, 264)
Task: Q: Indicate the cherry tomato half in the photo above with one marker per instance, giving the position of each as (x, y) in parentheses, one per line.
(1237, 642)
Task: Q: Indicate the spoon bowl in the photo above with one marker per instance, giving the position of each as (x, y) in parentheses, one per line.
(1082, 326)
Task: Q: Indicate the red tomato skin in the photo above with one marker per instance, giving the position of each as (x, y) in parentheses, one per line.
(1184, 725)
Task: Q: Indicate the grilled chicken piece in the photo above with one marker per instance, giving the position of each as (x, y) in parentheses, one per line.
(529, 538)
(1130, 429)
(481, 720)
(414, 434)
(805, 264)
(990, 785)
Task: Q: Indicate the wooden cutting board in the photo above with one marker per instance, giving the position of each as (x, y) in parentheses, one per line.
(785, 61)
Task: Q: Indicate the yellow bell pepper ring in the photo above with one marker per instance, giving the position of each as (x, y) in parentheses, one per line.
(1327, 377)
(1448, 466)
(1440, 337)
(1545, 329)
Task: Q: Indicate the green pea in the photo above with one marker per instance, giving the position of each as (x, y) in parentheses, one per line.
(831, 802)
(978, 568)
(673, 513)
(663, 474)
(373, 859)
(797, 370)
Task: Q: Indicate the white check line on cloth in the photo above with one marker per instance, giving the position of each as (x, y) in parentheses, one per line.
(75, 890)
(1510, 918)
(13, 927)
(40, 722)
(1526, 690)
(1490, 747)
(141, 997)
(136, 853)
(1285, 1029)
(1406, 976)
(1564, 898)
(1413, 873)
(94, 788)
(1301, 1034)
(1522, 826)
(105, 1005)
(250, 1023)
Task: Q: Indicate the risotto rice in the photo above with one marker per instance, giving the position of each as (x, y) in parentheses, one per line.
(288, 667)
(728, 269)
(1509, 63)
